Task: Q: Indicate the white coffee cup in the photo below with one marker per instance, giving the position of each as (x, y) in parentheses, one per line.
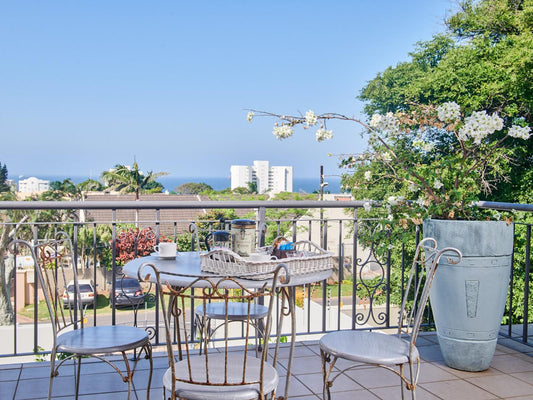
(165, 249)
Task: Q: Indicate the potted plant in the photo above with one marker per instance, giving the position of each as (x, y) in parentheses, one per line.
(438, 163)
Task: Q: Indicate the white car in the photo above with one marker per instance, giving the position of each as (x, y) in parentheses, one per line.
(87, 293)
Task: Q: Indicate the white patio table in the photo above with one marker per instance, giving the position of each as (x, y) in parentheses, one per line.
(188, 263)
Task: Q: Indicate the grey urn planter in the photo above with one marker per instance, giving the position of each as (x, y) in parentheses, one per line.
(468, 298)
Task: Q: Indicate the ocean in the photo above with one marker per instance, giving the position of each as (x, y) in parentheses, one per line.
(302, 185)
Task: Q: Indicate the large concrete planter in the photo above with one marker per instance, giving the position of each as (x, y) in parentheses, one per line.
(468, 299)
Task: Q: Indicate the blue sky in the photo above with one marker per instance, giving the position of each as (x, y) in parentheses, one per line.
(86, 85)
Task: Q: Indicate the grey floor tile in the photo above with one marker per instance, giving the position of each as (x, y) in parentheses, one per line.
(373, 377)
(394, 393)
(7, 389)
(524, 376)
(457, 389)
(512, 363)
(341, 384)
(12, 374)
(503, 385)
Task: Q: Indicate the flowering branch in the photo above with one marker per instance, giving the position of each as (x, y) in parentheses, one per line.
(435, 152)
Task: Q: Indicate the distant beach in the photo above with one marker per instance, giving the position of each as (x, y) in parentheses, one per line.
(302, 185)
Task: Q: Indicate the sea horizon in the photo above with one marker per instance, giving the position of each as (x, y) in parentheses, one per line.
(170, 183)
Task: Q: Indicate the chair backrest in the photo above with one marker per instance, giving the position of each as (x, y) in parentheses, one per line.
(415, 298)
(58, 279)
(175, 300)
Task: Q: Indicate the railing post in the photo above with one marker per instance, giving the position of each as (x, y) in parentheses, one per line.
(355, 237)
(525, 325)
(113, 265)
(261, 219)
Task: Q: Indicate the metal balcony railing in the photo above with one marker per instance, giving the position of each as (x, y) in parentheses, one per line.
(362, 294)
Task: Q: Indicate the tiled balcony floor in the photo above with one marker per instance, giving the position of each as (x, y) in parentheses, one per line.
(510, 377)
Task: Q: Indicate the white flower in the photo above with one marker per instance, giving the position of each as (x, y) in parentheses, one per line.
(480, 125)
(250, 116)
(438, 184)
(421, 201)
(413, 187)
(368, 175)
(310, 118)
(519, 132)
(283, 131)
(323, 134)
(497, 216)
(390, 217)
(367, 206)
(387, 122)
(449, 112)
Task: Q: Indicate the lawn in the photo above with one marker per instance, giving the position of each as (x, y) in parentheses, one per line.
(102, 307)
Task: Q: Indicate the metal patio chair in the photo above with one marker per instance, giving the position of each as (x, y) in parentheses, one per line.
(391, 352)
(221, 372)
(53, 262)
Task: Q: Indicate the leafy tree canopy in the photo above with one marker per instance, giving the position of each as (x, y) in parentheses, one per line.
(484, 61)
(126, 179)
(4, 187)
(193, 188)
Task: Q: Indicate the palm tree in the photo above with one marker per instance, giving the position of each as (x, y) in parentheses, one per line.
(126, 179)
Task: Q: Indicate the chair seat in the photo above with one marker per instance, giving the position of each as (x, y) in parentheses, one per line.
(236, 311)
(367, 347)
(102, 339)
(216, 375)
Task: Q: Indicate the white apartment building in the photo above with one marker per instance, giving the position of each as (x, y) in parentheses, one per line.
(33, 185)
(268, 179)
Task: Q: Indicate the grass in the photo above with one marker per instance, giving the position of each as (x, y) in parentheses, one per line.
(102, 307)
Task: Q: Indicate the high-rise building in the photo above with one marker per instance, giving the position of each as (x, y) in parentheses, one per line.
(268, 179)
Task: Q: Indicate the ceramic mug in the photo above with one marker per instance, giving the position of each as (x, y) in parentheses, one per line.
(165, 249)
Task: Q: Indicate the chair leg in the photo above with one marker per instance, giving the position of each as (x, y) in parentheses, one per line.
(52, 372)
(77, 362)
(402, 383)
(326, 372)
(150, 359)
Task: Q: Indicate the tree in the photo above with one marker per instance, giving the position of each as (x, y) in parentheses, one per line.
(193, 188)
(4, 187)
(131, 180)
(483, 61)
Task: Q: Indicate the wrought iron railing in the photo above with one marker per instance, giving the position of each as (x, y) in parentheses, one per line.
(360, 296)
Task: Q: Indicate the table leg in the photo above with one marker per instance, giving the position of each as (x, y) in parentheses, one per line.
(287, 294)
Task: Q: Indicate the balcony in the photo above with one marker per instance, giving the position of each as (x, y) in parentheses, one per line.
(510, 375)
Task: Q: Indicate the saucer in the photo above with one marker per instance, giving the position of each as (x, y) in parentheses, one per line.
(155, 254)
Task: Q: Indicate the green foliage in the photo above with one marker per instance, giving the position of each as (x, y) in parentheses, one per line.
(132, 180)
(193, 188)
(4, 187)
(483, 61)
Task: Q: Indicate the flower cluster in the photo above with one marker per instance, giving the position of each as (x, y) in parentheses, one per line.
(520, 132)
(385, 123)
(310, 118)
(480, 125)
(449, 112)
(282, 131)
(323, 134)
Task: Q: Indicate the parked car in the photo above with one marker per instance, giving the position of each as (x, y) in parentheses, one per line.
(87, 293)
(128, 291)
